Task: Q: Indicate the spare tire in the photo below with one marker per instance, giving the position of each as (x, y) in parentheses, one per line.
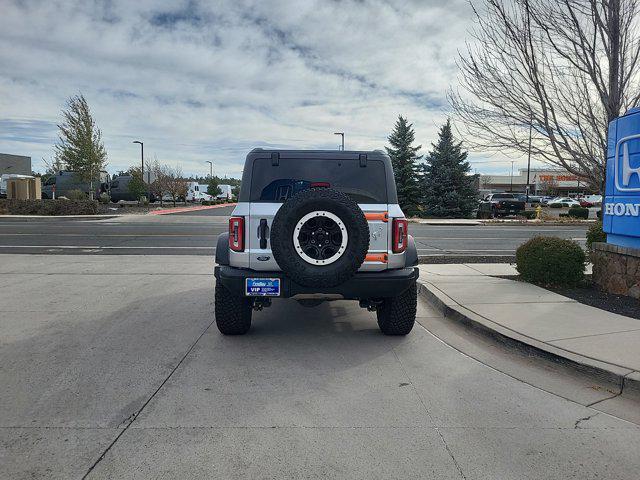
(319, 237)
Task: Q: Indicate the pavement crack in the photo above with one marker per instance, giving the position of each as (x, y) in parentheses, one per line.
(612, 396)
(132, 418)
(584, 419)
(426, 410)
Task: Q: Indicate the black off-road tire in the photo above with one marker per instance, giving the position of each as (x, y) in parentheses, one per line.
(397, 315)
(284, 223)
(233, 313)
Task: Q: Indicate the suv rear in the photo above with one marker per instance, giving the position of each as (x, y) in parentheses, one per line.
(317, 226)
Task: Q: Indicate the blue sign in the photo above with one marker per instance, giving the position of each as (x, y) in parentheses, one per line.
(621, 208)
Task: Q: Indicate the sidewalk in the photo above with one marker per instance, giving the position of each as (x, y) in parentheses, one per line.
(605, 342)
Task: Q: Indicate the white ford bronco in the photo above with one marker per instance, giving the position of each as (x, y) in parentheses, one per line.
(316, 226)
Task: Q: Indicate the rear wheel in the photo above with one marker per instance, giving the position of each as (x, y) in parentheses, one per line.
(397, 315)
(233, 313)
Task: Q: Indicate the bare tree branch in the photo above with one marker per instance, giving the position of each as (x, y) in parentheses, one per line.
(565, 67)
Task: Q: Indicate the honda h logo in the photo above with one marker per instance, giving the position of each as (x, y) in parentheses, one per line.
(623, 170)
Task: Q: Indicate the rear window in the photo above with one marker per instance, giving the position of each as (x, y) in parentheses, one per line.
(271, 183)
(504, 195)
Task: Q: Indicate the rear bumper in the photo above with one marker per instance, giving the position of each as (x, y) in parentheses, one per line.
(362, 286)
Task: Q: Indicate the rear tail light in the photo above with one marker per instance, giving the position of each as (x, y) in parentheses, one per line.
(236, 234)
(399, 235)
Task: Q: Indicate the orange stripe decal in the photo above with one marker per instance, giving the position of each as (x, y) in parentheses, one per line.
(376, 257)
(383, 216)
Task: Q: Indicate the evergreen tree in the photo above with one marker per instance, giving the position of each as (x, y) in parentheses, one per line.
(447, 188)
(403, 158)
(136, 185)
(80, 147)
(212, 187)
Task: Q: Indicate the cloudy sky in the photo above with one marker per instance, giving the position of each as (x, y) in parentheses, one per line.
(209, 80)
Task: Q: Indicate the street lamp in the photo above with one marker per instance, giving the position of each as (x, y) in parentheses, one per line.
(512, 162)
(529, 155)
(342, 136)
(142, 161)
(210, 168)
(141, 157)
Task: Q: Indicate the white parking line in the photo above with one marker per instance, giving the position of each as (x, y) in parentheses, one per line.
(106, 247)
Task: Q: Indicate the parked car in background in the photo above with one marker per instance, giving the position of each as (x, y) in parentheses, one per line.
(590, 201)
(197, 193)
(530, 199)
(564, 202)
(500, 205)
(64, 182)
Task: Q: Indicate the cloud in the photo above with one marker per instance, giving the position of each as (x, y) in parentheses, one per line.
(210, 80)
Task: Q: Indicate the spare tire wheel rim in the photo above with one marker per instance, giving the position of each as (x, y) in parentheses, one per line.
(320, 238)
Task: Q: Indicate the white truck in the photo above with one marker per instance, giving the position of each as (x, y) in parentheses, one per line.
(225, 192)
(197, 193)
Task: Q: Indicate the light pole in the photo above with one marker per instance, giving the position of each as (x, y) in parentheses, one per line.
(141, 159)
(342, 137)
(210, 168)
(512, 162)
(529, 156)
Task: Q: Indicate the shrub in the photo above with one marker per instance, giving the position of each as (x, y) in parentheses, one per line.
(104, 198)
(556, 205)
(579, 212)
(76, 195)
(551, 261)
(595, 234)
(52, 207)
(529, 214)
(143, 200)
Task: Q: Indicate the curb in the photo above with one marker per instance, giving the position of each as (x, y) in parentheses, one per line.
(494, 223)
(169, 211)
(628, 380)
(55, 217)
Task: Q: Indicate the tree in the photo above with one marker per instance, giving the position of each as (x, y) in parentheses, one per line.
(80, 148)
(176, 185)
(448, 189)
(403, 158)
(212, 187)
(136, 185)
(158, 187)
(564, 67)
(548, 186)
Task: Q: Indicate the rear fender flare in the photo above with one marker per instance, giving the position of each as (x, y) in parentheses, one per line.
(411, 255)
(222, 249)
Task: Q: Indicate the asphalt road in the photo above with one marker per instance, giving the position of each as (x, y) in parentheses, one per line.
(195, 233)
(111, 367)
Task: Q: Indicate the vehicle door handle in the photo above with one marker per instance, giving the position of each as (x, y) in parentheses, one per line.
(262, 233)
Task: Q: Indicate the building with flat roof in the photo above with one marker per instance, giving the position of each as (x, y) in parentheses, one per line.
(15, 164)
(542, 181)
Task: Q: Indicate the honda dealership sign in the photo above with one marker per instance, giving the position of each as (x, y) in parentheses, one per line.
(621, 217)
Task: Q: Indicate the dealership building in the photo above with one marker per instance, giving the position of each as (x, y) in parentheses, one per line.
(542, 181)
(15, 164)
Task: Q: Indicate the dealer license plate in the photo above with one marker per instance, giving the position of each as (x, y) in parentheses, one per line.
(262, 287)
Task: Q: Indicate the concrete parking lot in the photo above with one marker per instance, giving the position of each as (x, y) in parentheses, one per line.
(111, 368)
